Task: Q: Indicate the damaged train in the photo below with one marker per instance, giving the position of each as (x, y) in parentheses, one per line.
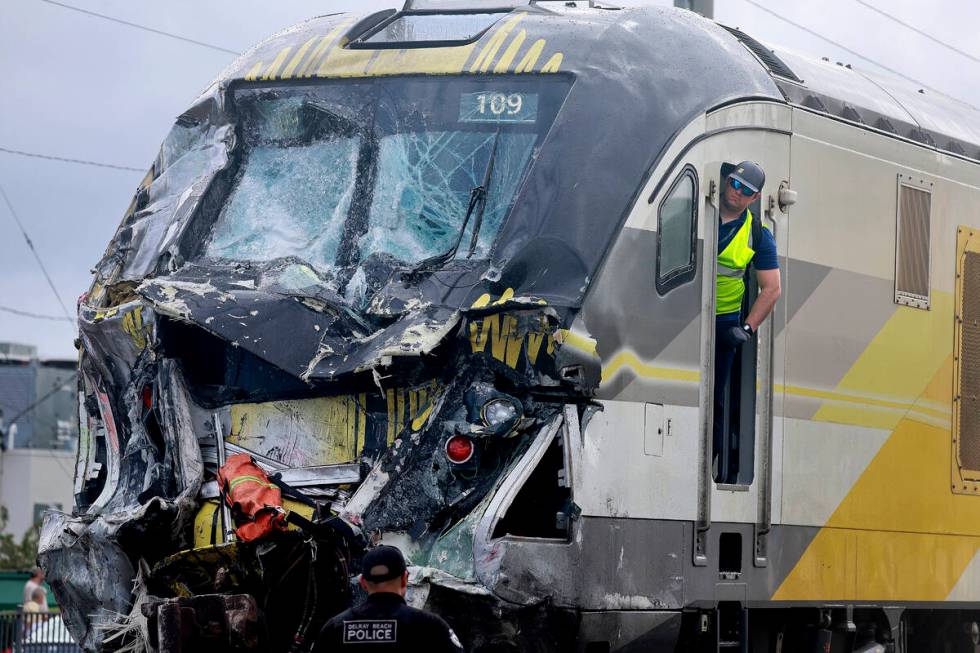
(446, 274)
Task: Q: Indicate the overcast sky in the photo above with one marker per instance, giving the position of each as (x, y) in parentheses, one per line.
(86, 88)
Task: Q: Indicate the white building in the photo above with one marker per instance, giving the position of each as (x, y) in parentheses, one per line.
(39, 426)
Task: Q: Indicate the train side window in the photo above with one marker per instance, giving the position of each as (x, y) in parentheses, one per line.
(677, 223)
(912, 242)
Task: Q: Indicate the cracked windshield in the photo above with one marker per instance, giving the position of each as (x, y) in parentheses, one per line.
(397, 172)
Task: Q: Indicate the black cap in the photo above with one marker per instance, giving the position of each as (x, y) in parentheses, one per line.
(750, 174)
(382, 563)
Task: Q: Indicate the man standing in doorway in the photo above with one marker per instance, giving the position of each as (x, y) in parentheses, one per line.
(742, 241)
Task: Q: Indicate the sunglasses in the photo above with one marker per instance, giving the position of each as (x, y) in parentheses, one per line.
(739, 186)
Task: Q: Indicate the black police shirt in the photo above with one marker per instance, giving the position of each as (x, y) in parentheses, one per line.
(385, 623)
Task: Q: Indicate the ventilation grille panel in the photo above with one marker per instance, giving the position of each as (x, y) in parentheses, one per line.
(775, 65)
(912, 250)
(968, 422)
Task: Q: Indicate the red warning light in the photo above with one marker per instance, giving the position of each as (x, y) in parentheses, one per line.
(459, 449)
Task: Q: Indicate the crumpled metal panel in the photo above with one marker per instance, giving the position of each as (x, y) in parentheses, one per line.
(90, 569)
(89, 572)
(311, 337)
(196, 149)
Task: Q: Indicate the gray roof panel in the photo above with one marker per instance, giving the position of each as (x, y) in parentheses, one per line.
(885, 102)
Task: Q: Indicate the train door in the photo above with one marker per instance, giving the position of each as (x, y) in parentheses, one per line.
(736, 454)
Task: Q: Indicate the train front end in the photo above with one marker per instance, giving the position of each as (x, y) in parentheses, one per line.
(357, 259)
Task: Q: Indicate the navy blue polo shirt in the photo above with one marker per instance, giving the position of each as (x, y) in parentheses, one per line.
(765, 256)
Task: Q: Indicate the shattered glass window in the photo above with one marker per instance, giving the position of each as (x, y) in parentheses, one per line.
(424, 185)
(290, 201)
(294, 189)
(370, 175)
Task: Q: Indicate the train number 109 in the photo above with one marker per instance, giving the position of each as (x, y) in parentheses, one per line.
(493, 106)
(499, 104)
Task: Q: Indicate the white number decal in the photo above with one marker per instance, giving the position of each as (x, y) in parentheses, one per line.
(498, 103)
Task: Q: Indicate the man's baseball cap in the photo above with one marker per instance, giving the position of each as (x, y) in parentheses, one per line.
(382, 563)
(750, 174)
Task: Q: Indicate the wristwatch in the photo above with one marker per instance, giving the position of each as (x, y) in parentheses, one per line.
(748, 329)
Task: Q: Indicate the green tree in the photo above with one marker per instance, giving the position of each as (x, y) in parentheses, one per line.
(14, 555)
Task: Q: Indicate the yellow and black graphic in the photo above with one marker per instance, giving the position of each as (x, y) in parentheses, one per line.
(410, 407)
(504, 335)
(504, 49)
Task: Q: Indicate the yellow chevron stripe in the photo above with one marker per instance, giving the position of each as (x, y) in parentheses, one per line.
(530, 58)
(321, 47)
(330, 58)
(430, 61)
(253, 72)
(508, 56)
(294, 62)
(489, 52)
(553, 64)
(273, 68)
(341, 62)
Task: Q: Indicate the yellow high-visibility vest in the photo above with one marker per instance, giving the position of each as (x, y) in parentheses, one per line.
(732, 262)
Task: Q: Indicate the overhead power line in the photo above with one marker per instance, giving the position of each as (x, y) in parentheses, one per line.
(918, 31)
(142, 27)
(37, 257)
(67, 160)
(36, 316)
(834, 43)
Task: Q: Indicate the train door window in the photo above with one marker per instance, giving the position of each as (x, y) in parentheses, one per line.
(677, 219)
(912, 242)
(735, 401)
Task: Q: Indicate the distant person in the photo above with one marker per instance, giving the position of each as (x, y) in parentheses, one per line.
(384, 622)
(38, 602)
(34, 582)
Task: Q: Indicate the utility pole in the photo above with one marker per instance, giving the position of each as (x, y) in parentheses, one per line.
(704, 7)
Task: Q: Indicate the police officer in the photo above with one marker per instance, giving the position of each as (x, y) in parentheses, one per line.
(384, 622)
(742, 241)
